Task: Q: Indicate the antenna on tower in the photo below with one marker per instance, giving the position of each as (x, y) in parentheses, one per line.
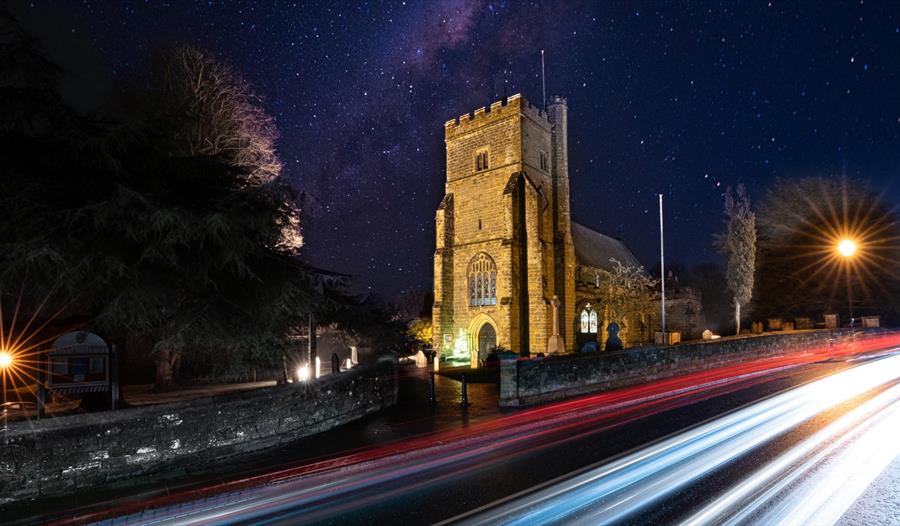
(543, 82)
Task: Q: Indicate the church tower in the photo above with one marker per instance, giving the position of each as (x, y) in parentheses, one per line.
(504, 243)
(563, 246)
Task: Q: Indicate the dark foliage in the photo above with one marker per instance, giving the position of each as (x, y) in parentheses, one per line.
(113, 221)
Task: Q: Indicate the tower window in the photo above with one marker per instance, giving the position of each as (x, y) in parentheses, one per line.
(481, 160)
(482, 281)
(479, 224)
(544, 163)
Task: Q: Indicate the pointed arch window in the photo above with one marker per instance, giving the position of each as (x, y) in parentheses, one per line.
(482, 281)
(588, 319)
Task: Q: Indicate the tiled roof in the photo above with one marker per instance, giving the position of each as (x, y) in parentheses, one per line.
(595, 249)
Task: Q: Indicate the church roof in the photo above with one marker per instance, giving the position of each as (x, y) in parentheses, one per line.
(595, 249)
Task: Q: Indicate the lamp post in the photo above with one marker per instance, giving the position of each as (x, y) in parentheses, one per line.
(6, 361)
(847, 249)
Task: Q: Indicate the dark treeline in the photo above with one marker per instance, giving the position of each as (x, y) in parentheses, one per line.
(161, 221)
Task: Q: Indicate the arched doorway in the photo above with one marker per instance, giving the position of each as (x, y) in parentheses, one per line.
(487, 340)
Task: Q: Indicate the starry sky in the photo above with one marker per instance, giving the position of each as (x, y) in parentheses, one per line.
(676, 98)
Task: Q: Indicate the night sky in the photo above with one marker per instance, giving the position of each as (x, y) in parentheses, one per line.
(664, 97)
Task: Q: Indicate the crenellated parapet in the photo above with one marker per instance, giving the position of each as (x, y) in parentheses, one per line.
(512, 105)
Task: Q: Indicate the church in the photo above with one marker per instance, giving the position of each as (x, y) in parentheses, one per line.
(508, 258)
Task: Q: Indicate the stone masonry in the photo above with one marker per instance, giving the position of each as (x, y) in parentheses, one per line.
(62, 455)
(507, 198)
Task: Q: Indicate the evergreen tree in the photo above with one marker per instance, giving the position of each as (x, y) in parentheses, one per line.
(739, 243)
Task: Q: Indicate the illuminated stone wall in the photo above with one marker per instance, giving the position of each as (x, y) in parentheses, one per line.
(62, 455)
(505, 211)
(525, 382)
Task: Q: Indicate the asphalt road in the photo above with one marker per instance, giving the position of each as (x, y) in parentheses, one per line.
(508, 461)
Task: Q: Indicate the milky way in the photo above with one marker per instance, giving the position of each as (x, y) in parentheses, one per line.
(663, 98)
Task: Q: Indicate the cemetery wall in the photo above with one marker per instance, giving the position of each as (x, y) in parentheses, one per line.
(66, 454)
(525, 382)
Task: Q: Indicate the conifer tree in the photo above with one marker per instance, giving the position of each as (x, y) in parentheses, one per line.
(739, 243)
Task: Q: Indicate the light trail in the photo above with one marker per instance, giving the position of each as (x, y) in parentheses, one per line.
(872, 425)
(326, 488)
(617, 490)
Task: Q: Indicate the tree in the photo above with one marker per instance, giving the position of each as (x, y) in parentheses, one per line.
(739, 243)
(627, 292)
(165, 222)
(207, 229)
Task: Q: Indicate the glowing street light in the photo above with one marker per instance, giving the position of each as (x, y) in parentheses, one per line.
(6, 361)
(847, 248)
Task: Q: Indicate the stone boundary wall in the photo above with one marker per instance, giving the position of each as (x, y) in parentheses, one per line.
(67, 454)
(526, 382)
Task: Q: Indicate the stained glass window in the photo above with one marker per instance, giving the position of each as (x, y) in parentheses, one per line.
(479, 297)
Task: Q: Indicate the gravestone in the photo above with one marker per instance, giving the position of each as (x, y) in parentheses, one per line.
(871, 322)
(803, 323)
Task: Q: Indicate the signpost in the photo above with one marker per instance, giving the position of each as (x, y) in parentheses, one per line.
(81, 362)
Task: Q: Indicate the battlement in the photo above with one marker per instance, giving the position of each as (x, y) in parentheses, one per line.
(497, 110)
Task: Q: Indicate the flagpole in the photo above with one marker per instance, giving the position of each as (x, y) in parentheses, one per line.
(543, 82)
(662, 270)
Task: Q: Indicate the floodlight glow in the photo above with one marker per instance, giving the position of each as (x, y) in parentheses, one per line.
(303, 373)
(847, 247)
(6, 359)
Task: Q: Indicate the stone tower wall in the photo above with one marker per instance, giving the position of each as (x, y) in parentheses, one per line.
(484, 214)
(564, 247)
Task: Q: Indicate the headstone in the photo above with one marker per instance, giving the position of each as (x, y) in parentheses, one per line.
(803, 323)
(590, 346)
(787, 326)
(871, 322)
(613, 343)
(707, 334)
(831, 321)
(775, 324)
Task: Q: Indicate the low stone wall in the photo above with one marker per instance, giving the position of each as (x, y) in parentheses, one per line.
(61, 455)
(525, 382)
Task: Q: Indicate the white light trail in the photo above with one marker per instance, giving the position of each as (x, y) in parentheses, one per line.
(614, 491)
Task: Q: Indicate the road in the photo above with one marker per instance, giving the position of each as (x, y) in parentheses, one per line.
(751, 442)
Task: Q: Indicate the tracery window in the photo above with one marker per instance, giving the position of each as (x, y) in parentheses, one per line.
(482, 281)
(588, 320)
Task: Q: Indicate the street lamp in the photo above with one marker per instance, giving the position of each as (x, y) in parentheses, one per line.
(847, 249)
(6, 361)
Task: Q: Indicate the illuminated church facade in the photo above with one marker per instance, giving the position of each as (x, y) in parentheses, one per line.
(506, 248)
